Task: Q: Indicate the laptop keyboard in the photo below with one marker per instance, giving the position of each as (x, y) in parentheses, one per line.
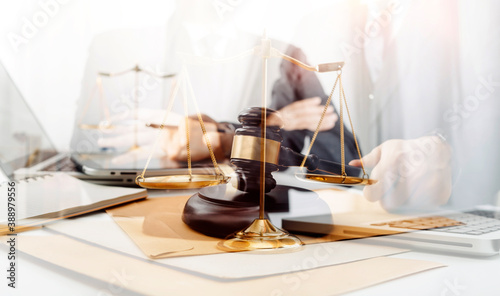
(63, 165)
(474, 222)
(421, 223)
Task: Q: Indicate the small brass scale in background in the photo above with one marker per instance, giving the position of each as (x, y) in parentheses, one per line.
(107, 124)
(261, 234)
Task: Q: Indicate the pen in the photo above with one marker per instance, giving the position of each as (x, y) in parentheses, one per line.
(219, 129)
(155, 125)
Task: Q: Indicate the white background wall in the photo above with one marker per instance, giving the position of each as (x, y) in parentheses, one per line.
(47, 62)
(44, 43)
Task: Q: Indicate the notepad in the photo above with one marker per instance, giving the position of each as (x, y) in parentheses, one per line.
(50, 197)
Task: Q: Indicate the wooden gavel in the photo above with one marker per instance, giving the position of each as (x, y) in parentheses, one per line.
(246, 156)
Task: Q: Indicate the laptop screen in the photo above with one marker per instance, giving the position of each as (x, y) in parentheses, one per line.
(23, 143)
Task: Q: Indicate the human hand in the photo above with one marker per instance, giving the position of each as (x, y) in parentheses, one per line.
(137, 143)
(305, 114)
(412, 174)
(131, 129)
(172, 145)
(146, 116)
(197, 144)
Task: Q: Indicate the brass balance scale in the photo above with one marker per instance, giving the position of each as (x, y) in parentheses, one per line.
(106, 122)
(219, 207)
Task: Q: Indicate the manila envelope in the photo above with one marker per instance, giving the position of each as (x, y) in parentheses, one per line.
(156, 227)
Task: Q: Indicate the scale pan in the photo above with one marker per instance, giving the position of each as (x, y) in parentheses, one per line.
(181, 181)
(338, 179)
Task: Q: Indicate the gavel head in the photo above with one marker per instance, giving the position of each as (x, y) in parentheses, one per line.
(247, 146)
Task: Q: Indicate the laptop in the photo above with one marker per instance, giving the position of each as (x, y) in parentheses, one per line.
(27, 151)
(472, 232)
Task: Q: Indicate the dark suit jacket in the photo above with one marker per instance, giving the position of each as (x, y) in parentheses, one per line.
(297, 84)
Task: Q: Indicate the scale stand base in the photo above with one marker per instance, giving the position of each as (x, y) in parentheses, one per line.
(221, 210)
(260, 235)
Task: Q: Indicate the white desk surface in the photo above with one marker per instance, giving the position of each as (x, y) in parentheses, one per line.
(461, 276)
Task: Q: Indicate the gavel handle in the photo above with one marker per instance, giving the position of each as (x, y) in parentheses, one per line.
(288, 158)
